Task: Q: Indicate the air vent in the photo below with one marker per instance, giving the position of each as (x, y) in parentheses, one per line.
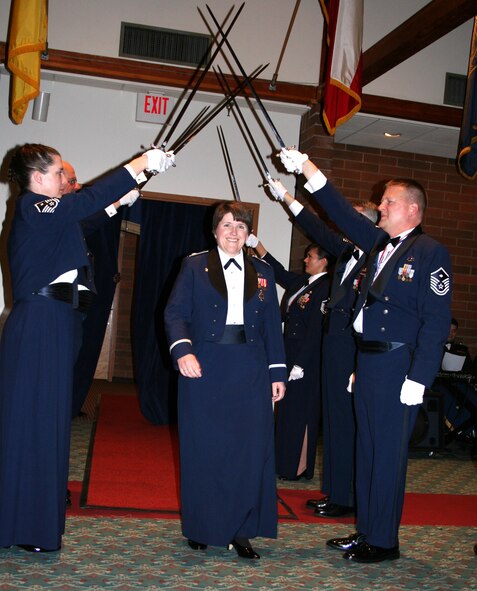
(454, 92)
(163, 45)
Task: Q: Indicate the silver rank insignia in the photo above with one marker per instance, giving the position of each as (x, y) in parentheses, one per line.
(48, 205)
(440, 282)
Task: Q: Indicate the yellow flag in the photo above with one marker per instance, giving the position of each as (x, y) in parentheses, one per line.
(26, 40)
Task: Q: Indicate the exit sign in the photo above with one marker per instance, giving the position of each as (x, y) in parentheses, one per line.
(153, 108)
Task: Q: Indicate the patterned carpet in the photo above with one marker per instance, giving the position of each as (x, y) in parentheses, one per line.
(128, 554)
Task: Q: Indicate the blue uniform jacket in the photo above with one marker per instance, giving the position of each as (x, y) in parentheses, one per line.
(197, 309)
(304, 319)
(410, 300)
(340, 306)
(46, 239)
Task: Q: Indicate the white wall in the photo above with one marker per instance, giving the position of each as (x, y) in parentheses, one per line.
(93, 26)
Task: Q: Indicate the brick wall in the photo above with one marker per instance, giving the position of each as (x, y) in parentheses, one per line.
(451, 216)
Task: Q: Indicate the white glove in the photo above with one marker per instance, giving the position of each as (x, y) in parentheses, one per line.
(350, 386)
(252, 241)
(130, 197)
(277, 189)
(293, 160)
(412, 392)
(296, 373)
(159, 161)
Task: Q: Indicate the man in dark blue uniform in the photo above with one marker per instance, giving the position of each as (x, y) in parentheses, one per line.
(303, 310)
(401, 321)
(338, 356)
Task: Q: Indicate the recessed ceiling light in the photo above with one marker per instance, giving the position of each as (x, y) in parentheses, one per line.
(388, 134)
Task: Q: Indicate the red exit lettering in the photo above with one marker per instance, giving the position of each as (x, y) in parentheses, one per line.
(157, 105)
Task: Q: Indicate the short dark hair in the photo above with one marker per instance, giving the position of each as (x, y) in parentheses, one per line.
(321, 252)
(27, 159)
(240, 213)
(454, 322)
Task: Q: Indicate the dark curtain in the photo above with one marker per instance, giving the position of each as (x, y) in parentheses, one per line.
(102, 237)
(169, 231)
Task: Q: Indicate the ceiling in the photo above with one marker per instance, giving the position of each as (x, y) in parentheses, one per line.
(367, 128)
(418, 138)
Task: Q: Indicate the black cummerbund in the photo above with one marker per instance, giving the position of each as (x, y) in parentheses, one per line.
(376, 346)
(234, 334)
(64, 292)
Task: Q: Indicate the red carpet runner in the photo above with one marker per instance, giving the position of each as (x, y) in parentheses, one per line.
(134, 467)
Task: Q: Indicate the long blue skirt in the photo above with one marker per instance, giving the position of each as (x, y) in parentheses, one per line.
(228, 485)
(36, 361)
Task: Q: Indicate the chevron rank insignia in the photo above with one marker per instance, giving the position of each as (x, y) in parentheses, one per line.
(440, 282)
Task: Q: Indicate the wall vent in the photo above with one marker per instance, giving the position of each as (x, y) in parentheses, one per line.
(454, 91)
(163, 45)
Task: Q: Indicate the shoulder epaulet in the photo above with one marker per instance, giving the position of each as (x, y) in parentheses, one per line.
(256, 258)
(194, 254)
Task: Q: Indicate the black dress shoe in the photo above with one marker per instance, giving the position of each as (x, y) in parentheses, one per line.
(475, 548)
(196, 545)
(346, 543)
(30, 548)
(333, 510)
(366, 553)
(244, 550)
(317, 503)
(68, 498)
(292, 478)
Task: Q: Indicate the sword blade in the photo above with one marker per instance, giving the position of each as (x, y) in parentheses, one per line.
(197, 119)
(242, 71)
(228, 163)
(199, 80)
(244, 124)
(215, 111)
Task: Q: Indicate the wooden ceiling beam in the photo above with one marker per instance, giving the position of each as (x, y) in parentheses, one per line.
(429, 24)
(157, 74)
(161, 75)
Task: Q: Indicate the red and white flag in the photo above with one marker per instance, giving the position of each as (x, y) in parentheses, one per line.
(342, 97)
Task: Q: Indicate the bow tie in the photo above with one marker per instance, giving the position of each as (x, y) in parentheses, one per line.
(227, 264)
(394, 241)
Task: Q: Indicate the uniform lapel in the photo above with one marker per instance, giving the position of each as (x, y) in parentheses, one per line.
(382, 279)
(216, 273)
(251, 280)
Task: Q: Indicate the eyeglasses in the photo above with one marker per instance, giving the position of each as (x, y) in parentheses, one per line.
(72, 181)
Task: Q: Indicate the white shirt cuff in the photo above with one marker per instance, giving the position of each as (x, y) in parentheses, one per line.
(179, 341)
(317, 182)
(111, 210)
(295, 208)
(140, 178)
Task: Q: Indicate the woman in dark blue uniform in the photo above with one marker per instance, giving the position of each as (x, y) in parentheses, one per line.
(50, 274)
(224, 331)
(303, 307)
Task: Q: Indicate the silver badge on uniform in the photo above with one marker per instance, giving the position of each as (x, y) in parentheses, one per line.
(440, 282)
(48, 205)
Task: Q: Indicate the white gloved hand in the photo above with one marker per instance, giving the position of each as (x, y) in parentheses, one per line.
(412, 392)
(252, 241)
(296, 373)
(130, 197)
(159, 161)
(350, 386)
(293, 160)
(277, 189)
